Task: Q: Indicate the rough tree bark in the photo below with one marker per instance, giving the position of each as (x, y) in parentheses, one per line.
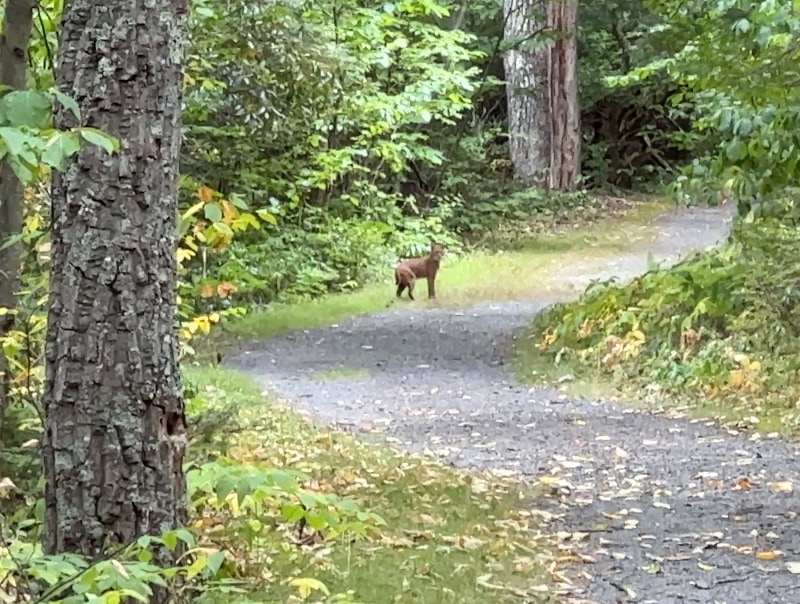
(527, 92)
(542, 92)
(14, 43)
(565, 111)
(114, 422)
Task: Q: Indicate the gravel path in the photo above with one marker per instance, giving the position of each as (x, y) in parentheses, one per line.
(674, 511)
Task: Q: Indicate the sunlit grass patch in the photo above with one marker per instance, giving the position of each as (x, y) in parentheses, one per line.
(340, 373)
(450, 536)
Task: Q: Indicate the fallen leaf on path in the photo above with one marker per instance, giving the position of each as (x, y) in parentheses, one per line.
(784, 486)
(620, 453)
(768, 556)
(743, 484)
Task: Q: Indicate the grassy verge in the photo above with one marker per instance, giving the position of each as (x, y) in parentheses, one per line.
(515, 274)
(715, 337)
(449, 536)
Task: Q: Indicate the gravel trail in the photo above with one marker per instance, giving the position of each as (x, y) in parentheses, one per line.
(674, 510)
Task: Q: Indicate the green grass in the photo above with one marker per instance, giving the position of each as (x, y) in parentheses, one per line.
(340, 373)
(530, 366)
(518, 274)
(452, 537)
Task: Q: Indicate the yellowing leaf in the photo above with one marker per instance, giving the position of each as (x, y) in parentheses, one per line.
(120, 569)
(784, 486)
(769, 555)
(228, 211)
(184, 254)
(226, 288)
(306, 585)
(205, 194)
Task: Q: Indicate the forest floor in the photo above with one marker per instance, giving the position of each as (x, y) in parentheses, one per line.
(658, 510)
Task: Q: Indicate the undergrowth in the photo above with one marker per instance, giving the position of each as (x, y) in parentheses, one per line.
(447, 536)
(281, 511)
(716, 334)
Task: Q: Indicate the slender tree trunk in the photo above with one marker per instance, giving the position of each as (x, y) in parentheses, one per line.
(14, 43)
(565, 111)
(527, 92)
(114, 423)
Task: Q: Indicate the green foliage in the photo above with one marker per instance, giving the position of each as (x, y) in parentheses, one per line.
(316, 114)
(753, 128)
(635, 135)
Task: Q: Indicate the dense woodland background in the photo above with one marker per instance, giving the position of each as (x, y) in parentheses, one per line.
(324, 140)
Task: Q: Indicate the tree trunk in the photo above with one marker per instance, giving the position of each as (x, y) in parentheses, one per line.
(565, 111)
(542, 92)
(14, 43)
(527, 92)
(114, 437)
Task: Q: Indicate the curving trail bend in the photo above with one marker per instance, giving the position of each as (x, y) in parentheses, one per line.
(656, 496)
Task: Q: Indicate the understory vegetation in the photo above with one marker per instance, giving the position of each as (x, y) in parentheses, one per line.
(717, 333)
(324, 141)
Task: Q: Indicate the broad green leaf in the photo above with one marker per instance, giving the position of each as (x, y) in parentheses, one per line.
(99, 138)
(267, 216)
(215, 561)
(14, 139)
(68, 102)
(212, 212)
(24, 173)
(26, 108)
(59, 148)
(170, 540)
(185, 536)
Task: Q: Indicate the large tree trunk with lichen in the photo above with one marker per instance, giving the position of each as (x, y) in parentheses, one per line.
(525, 65)
(14, 42)
(565, 111)
(542, 92)
(114, 424)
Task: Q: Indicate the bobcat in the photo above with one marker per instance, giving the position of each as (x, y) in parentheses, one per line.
(408, 271)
